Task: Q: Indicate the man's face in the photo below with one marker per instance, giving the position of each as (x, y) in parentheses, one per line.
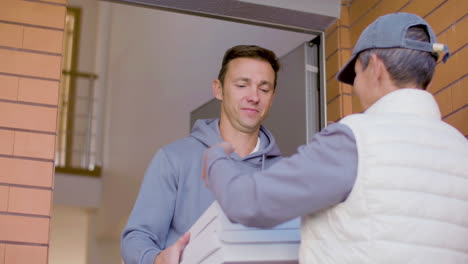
(247, 93)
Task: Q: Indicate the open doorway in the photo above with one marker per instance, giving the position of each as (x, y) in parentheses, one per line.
(155, 67)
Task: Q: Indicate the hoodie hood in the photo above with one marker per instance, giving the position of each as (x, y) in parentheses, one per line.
(207, 132)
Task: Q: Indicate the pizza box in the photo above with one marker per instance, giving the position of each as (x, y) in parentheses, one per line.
(216, 240)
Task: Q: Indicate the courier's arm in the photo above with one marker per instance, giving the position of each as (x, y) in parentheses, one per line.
(320, 175)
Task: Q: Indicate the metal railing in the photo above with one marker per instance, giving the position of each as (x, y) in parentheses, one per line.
(78, 148)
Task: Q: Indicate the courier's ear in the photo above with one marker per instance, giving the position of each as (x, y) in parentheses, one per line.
(378, 72)
(217, 89)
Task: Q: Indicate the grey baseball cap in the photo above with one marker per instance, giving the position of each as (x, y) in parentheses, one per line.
(389, 32)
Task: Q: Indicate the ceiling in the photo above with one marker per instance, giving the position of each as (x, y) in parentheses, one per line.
(310, 16)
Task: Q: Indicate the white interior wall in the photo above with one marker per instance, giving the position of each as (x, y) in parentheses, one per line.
(101, 251)
(80, 191)
(68, 235)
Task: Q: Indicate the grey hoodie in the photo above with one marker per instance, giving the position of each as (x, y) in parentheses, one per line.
(173, 196)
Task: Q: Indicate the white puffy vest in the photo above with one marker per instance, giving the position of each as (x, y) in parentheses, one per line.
(409, 204)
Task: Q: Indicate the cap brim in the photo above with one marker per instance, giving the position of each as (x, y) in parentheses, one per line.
(347, 73)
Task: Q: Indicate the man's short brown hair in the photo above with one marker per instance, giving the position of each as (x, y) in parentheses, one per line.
(248, 51)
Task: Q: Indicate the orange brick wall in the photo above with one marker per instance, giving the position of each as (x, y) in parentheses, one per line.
(31, 34)
(337, 51)
(449, 20)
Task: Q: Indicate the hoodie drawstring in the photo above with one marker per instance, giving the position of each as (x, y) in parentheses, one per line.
(263, 161)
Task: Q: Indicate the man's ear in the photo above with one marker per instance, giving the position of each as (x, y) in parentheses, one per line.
(217, 89)
(377, 66)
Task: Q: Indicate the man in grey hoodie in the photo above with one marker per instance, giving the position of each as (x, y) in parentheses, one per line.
(173, 196)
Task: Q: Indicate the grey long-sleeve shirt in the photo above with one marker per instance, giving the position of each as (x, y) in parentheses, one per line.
(320, 175)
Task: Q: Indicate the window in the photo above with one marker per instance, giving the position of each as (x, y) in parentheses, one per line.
(78, 147)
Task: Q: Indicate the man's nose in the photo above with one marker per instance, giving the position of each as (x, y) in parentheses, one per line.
(253, 96)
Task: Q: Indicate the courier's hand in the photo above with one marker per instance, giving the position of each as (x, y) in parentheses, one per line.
(172, 254)
(228, 148)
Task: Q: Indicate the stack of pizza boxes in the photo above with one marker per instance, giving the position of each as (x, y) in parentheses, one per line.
(216, 240)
